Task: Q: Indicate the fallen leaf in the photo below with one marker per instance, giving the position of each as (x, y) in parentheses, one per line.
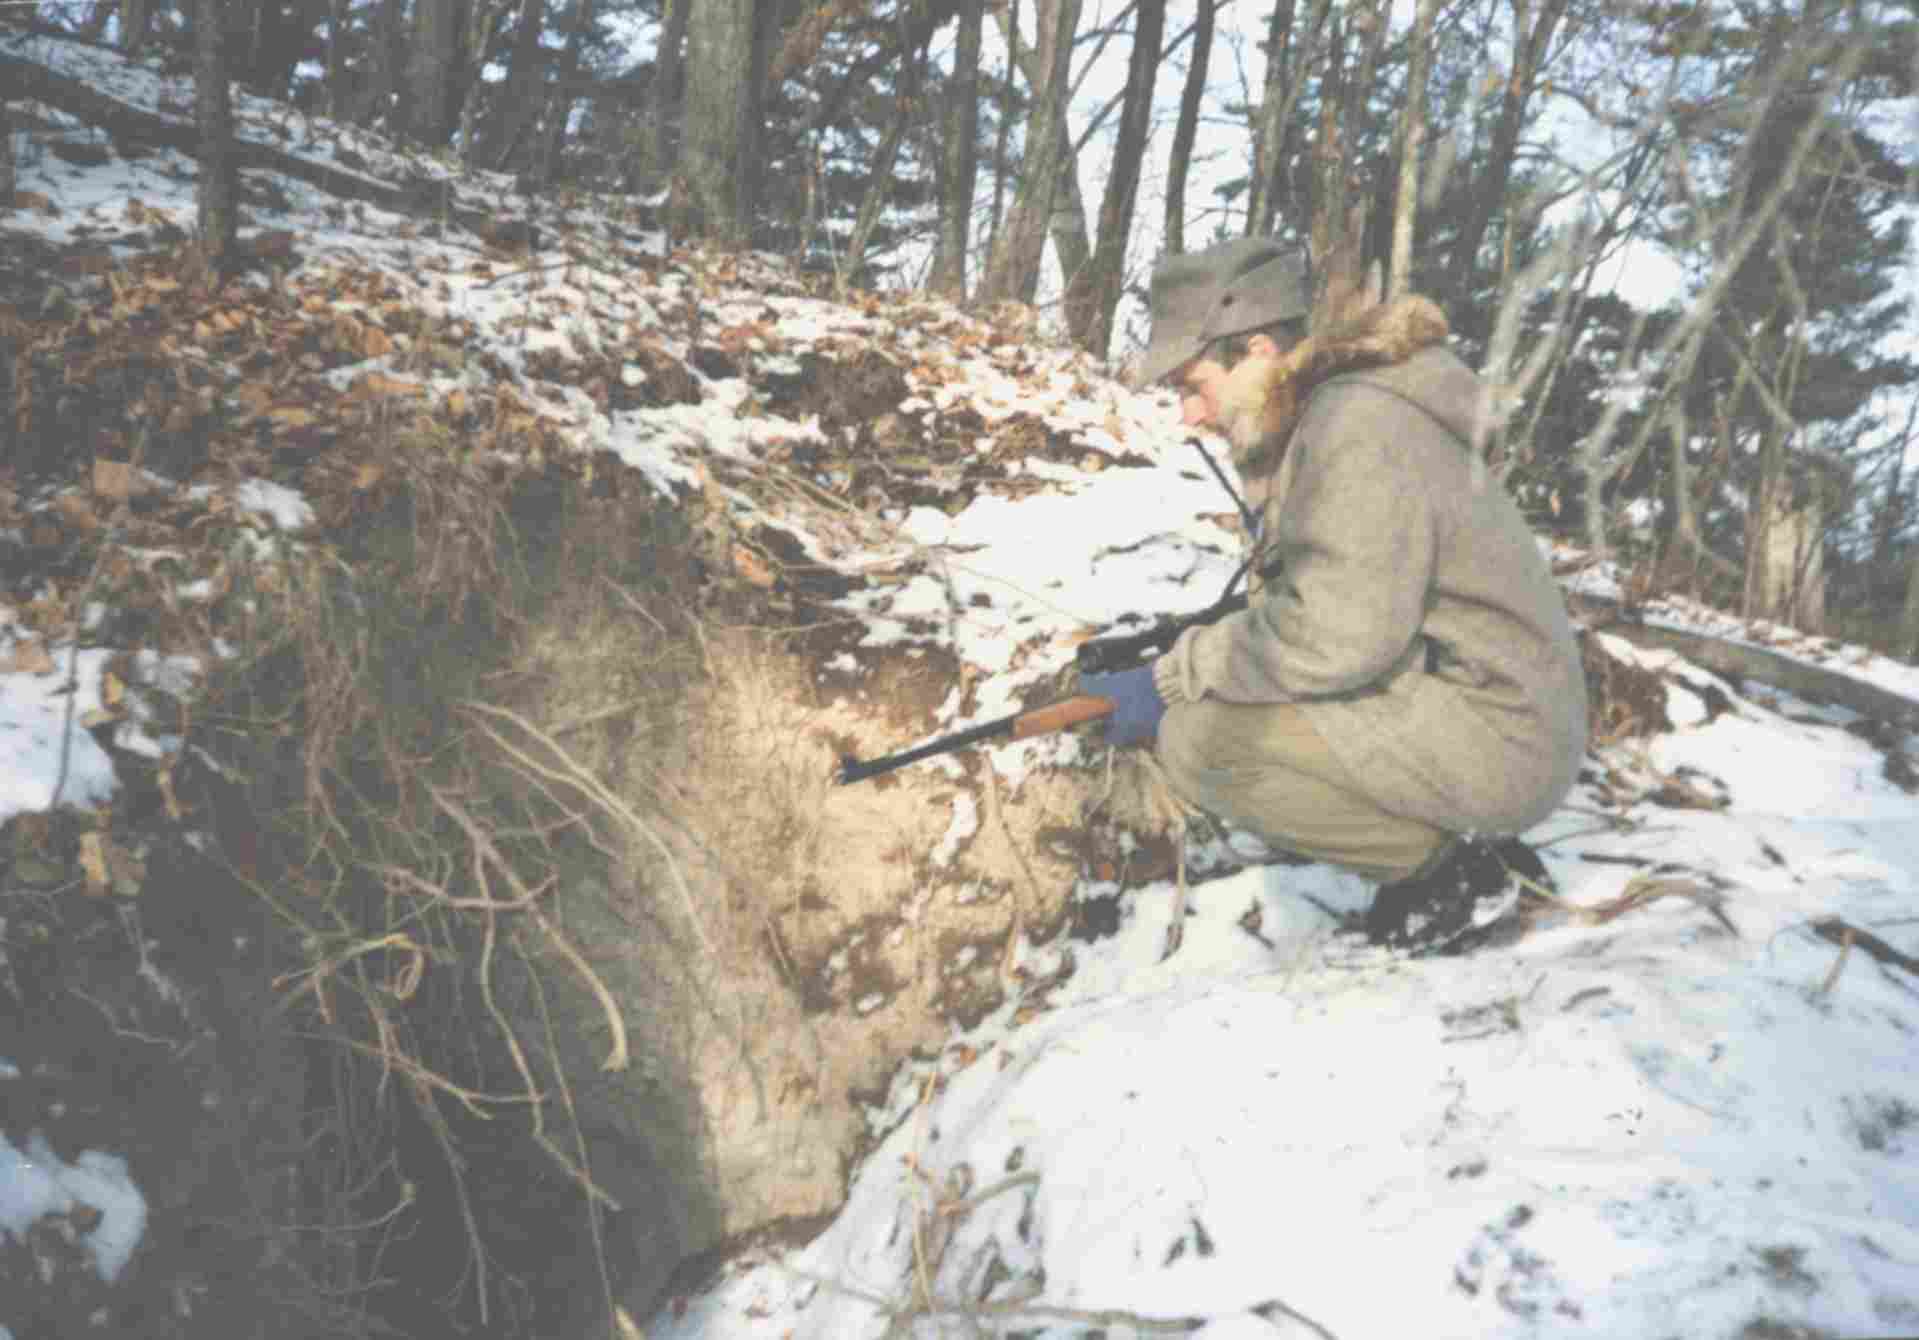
(167, 796)
(93, 864)
(752, 567)
(77, 512)
(29, 658)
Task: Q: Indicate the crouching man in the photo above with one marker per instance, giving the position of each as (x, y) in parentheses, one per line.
(1403, 688)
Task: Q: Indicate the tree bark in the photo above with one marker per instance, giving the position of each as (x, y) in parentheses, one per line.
(1013, 270)
(1275, 135)
(338, 78)
(1412, 145)
(1072, 245)
(664, 100)
(484, 19)
(384, 95)
(217, 191)
(519, 106)
(1186, 129)
(906, 89)
(1908, 649)
(960, 155)
(9, 173)
(1090, 303)
(136, 18)
(436, 25)
(1488, 193)
(717, 144)
(559, 107)
(1009, 24)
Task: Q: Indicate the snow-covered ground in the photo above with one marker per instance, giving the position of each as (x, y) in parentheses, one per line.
(1651, 1127)
(1699, 1117)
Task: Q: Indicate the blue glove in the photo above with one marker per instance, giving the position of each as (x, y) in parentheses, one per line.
(1137, 705)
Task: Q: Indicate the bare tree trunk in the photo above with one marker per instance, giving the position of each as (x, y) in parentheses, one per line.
(879, 181)
(1090, 304)
(1412, 144)
(217, 192)
(664, 100)
(9, 173)
(1072, 245)
(1686, 533)
(519, 106)
(136, 18)
(960, 153)
(717, 143)
(1488, 195)
(1010, 26)
(389, 55)
(1275, 136)
(1908, 648)
(484, 19)
(1785, 559)
(430, 70)
(559, 107)
(338, 99)
(1186, 129)
(1013, 270)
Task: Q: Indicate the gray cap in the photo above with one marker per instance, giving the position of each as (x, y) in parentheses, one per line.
(1225, 290)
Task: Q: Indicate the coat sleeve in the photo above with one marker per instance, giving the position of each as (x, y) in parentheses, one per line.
(1357, 532)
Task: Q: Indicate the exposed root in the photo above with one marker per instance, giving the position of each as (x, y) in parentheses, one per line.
(1846, 935)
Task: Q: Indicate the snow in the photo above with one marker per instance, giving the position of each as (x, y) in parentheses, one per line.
(1642, 1125)
(34, 714)
(39, 1183)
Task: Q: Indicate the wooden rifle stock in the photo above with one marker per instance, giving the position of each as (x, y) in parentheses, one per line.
(1066, 713)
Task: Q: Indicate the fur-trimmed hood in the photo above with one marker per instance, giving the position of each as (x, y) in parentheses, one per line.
(1261, 400)
(1409, 614)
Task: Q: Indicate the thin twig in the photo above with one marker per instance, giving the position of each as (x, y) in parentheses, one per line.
(1838, 964)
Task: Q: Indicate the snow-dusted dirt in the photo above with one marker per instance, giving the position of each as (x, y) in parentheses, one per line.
(1686, 1104)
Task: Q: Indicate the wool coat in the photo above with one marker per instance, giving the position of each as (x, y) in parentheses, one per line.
(1411, 616)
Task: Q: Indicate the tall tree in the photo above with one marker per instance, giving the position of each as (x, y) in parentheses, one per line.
(1291, 57)
(1186, 129)
(1067, 226)
(1485, 195)
(8, 172)
(386, 89)
(218, 190)
(1412, 134)
(1012, 272)
(1093, 295)
(959, 171)
(716, 150)
(666, 95)
(136, 20)
(517, 110)
(435, 39)
(566, 87)
(880, 173)
(338, 76)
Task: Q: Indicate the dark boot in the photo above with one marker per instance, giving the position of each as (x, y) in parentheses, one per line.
(1468, 897)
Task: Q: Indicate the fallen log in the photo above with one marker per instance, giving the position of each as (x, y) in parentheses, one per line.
(1739, 661)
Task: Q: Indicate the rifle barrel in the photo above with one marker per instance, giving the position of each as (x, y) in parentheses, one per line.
(1021, 725)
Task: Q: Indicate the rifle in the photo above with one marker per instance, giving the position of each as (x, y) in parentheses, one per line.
(1019, 726)
(1099, 656)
